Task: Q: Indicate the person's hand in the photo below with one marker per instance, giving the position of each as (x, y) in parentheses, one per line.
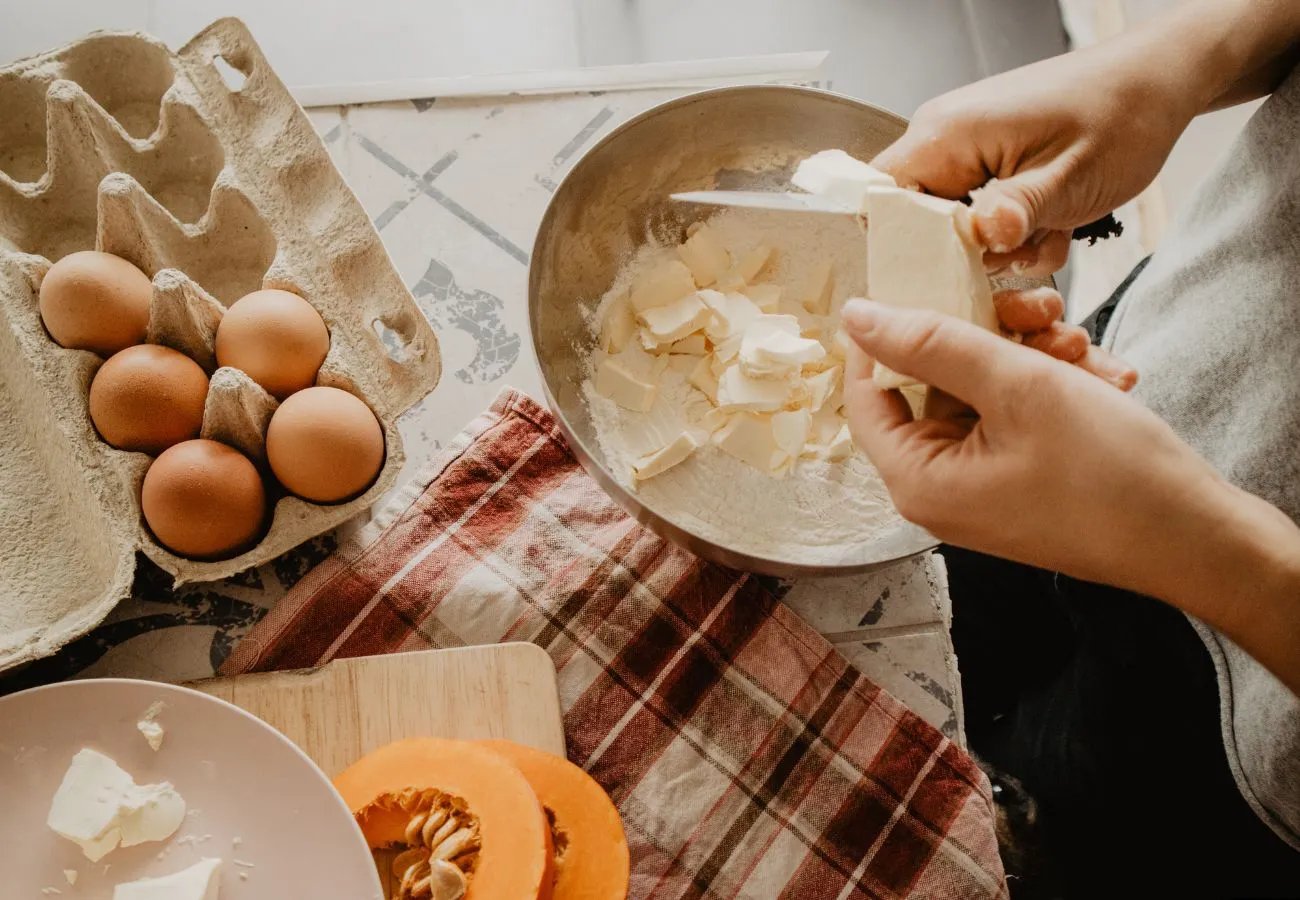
(1042, 150)
(1053, 146)
(1042, 463)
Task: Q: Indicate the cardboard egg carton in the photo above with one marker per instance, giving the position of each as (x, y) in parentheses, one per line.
(198, 167)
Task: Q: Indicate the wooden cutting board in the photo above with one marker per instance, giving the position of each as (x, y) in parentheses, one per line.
(344, 709)
(348, 707)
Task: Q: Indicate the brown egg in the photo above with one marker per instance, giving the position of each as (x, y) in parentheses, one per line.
(203, 499)
(147, 398)
(277, 338)
(95, 301)
(325, 445)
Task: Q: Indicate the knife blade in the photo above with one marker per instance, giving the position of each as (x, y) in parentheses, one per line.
(789, 201)
(779, 201)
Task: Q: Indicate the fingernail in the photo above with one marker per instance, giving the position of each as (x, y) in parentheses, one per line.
(1000, 223)
(1020, 266)
(860, 315)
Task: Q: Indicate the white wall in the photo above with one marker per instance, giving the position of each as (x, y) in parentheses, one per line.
(893, 52)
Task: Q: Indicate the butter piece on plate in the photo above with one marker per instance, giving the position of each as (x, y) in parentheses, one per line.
(99, 806)
(201, 881)
(148, 726)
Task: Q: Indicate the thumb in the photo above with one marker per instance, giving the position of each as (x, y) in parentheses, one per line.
(955, 356)
(1007, 211)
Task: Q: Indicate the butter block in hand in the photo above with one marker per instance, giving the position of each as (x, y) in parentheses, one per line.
(922, 254)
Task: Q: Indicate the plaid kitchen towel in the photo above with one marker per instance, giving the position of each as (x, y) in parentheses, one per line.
(747, 757)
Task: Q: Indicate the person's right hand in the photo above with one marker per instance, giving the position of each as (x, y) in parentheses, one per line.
(1042, 150)
(1058, 143)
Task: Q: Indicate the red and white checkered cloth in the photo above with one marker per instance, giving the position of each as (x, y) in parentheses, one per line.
(747, 757)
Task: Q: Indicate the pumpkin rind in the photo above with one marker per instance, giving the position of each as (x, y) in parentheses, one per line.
(594, 864)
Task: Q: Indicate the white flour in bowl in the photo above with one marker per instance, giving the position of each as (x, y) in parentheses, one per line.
(821, 512)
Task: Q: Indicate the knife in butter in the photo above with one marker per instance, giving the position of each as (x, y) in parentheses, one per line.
(779, 201)
(789, 201)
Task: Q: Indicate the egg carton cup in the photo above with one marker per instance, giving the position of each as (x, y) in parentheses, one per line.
(198, 167)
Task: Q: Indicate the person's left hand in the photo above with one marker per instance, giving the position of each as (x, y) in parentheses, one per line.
(1035, 460)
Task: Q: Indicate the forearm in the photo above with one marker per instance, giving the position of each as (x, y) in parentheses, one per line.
(1233, 561)
(1216, 53)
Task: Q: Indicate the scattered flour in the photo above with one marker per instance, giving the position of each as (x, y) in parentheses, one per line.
(822, 513)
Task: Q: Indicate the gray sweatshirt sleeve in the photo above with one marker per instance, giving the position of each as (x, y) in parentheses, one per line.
(1213, 326)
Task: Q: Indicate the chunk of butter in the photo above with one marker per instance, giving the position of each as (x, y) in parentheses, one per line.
(841, 446)
(815, 295)
(746, 268)
(732, 314)
(705, 256)
(98, 806)
(738, 391)
(821, 386)
(922, 254)
(835, 175)
(661, 286)
(790, 431)
(149, 728)
(663, 459)
(765, 296)
(749, 438)
(618, 325)
(690, 346)
(701, 378)
(617, 382)
(201, 881)
(676, 320)
(772, 348)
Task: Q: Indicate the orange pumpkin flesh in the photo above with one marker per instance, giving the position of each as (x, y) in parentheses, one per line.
(592, 852)
(515, 859)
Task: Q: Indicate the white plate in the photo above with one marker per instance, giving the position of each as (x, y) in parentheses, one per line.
(254, 799)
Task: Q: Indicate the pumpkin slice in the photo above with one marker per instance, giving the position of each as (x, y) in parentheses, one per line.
(468, 822)
(591, 856)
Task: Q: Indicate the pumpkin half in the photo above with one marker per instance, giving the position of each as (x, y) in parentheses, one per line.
(591, 855)
(467, 820)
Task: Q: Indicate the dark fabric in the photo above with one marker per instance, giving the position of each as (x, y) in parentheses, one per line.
(1104, 705)
(1099, 711)
(1096, 323)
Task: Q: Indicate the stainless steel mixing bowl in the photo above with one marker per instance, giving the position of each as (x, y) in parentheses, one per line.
(736, 138)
